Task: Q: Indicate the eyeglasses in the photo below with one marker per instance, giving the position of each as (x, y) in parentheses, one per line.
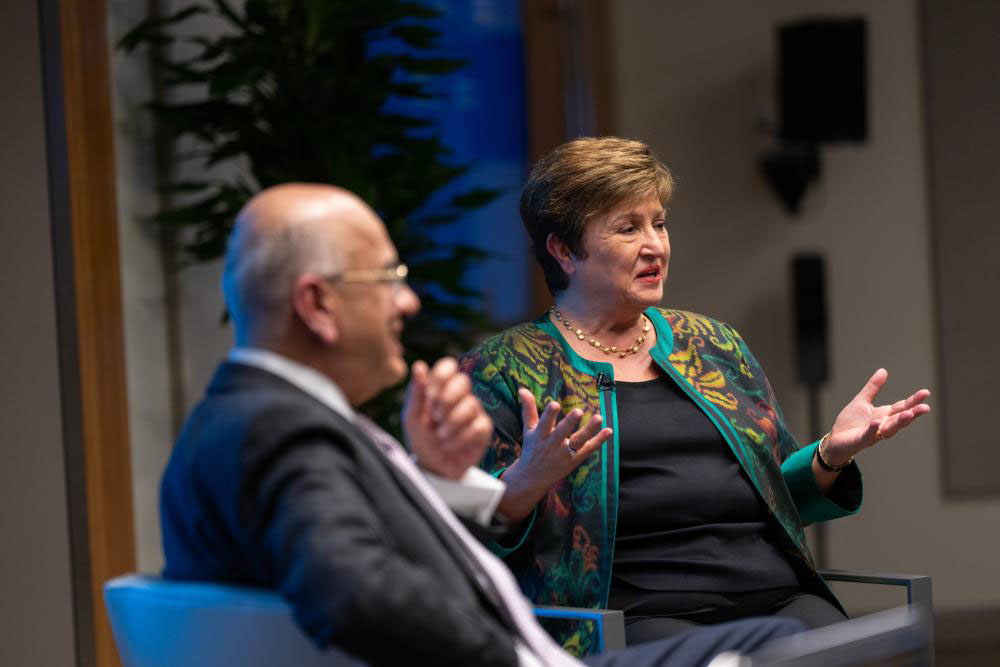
(392, 274)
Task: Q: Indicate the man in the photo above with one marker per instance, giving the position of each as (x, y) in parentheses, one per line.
(276, 481)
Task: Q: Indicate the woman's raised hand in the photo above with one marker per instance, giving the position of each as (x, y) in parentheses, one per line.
(861, 423)
(550, 450)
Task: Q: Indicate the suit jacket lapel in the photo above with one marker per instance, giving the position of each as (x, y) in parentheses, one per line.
(232, 376)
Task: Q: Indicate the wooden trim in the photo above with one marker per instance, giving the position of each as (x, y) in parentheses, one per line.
(601, 65)
(98, 306)
(545, 77)
(546, 70)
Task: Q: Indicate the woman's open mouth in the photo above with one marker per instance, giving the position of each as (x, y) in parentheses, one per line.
(650, 275)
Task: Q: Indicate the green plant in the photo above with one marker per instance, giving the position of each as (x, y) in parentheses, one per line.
(292, 90)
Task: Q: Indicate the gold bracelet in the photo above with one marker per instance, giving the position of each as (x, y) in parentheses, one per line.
(823, 463)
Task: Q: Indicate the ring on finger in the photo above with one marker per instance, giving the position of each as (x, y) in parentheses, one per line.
(569, 445)
(879, 435)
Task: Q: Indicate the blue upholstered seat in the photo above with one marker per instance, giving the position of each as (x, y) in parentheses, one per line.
(160, 623)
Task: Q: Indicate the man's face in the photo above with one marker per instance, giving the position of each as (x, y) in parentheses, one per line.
(371, 313)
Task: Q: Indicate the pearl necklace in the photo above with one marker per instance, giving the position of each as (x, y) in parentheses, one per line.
(600, 346)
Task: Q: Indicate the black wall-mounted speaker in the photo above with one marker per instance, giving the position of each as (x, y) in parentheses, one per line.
(809, 294)
(823, 89)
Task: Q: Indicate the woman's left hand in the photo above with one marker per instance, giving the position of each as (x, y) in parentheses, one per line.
(861, 423)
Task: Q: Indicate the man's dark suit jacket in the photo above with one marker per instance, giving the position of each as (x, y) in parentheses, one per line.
(267, 486)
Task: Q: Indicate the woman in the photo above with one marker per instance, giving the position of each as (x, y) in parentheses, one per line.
(671, 488)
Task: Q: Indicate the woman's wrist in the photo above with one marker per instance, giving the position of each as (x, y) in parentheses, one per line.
(828, 462)
(522, 492)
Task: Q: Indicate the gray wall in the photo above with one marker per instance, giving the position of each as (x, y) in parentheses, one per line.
(695, 80)
(202, 339)
(36, 620)
(146, 348)
(963, 86)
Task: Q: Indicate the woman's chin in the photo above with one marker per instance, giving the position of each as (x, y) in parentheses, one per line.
(649, 296)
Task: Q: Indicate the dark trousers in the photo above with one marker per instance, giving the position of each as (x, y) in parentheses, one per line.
(653, 615)
(698, 646)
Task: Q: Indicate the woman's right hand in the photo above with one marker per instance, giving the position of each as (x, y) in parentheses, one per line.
(550, 450)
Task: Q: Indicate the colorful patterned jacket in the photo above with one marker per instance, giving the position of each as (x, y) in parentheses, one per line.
(564, 552)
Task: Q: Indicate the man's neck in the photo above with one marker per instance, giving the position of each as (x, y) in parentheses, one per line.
(305, 376)
(305, 349)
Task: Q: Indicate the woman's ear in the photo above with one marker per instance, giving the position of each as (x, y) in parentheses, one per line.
(316, 308)
(561, 252)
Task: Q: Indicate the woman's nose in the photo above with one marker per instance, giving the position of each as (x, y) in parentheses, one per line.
(653, 241)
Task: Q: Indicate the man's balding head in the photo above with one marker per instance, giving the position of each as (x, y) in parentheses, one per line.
(282, 233)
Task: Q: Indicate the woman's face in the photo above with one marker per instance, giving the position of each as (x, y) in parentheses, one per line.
(628, 251)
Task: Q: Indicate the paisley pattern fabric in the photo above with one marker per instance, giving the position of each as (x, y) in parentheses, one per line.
(564, 552)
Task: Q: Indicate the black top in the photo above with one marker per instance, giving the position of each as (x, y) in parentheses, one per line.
(689, 519)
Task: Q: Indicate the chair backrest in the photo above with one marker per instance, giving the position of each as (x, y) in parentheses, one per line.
(159, 623)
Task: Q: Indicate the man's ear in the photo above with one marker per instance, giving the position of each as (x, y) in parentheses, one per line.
(561, 252)
(315, 308)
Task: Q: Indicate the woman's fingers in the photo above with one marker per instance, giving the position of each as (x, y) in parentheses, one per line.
(548, 418)
(585, 433)
(914, 400)
(529, 414)
(587, 448)
(566, 426)
(529, 411)
(874, 384)
(890, 425)
(871, 434)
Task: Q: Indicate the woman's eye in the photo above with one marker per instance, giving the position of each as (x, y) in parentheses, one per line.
(661, 225)
(627, 229)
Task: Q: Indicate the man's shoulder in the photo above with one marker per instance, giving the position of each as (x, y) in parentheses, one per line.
(247, 422)
(249, 429)
(246, 408)
(242, 388)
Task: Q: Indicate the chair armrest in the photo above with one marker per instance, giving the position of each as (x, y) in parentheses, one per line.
(918, 593)
(918, 586)
(610, 623)
(899, 636)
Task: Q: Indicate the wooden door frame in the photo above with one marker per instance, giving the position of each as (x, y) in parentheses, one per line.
(89, 311)
(547, 73)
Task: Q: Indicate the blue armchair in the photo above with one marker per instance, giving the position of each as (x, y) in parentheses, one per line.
(160, 623)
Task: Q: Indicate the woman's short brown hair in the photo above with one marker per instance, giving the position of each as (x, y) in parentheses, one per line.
(580, 179)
